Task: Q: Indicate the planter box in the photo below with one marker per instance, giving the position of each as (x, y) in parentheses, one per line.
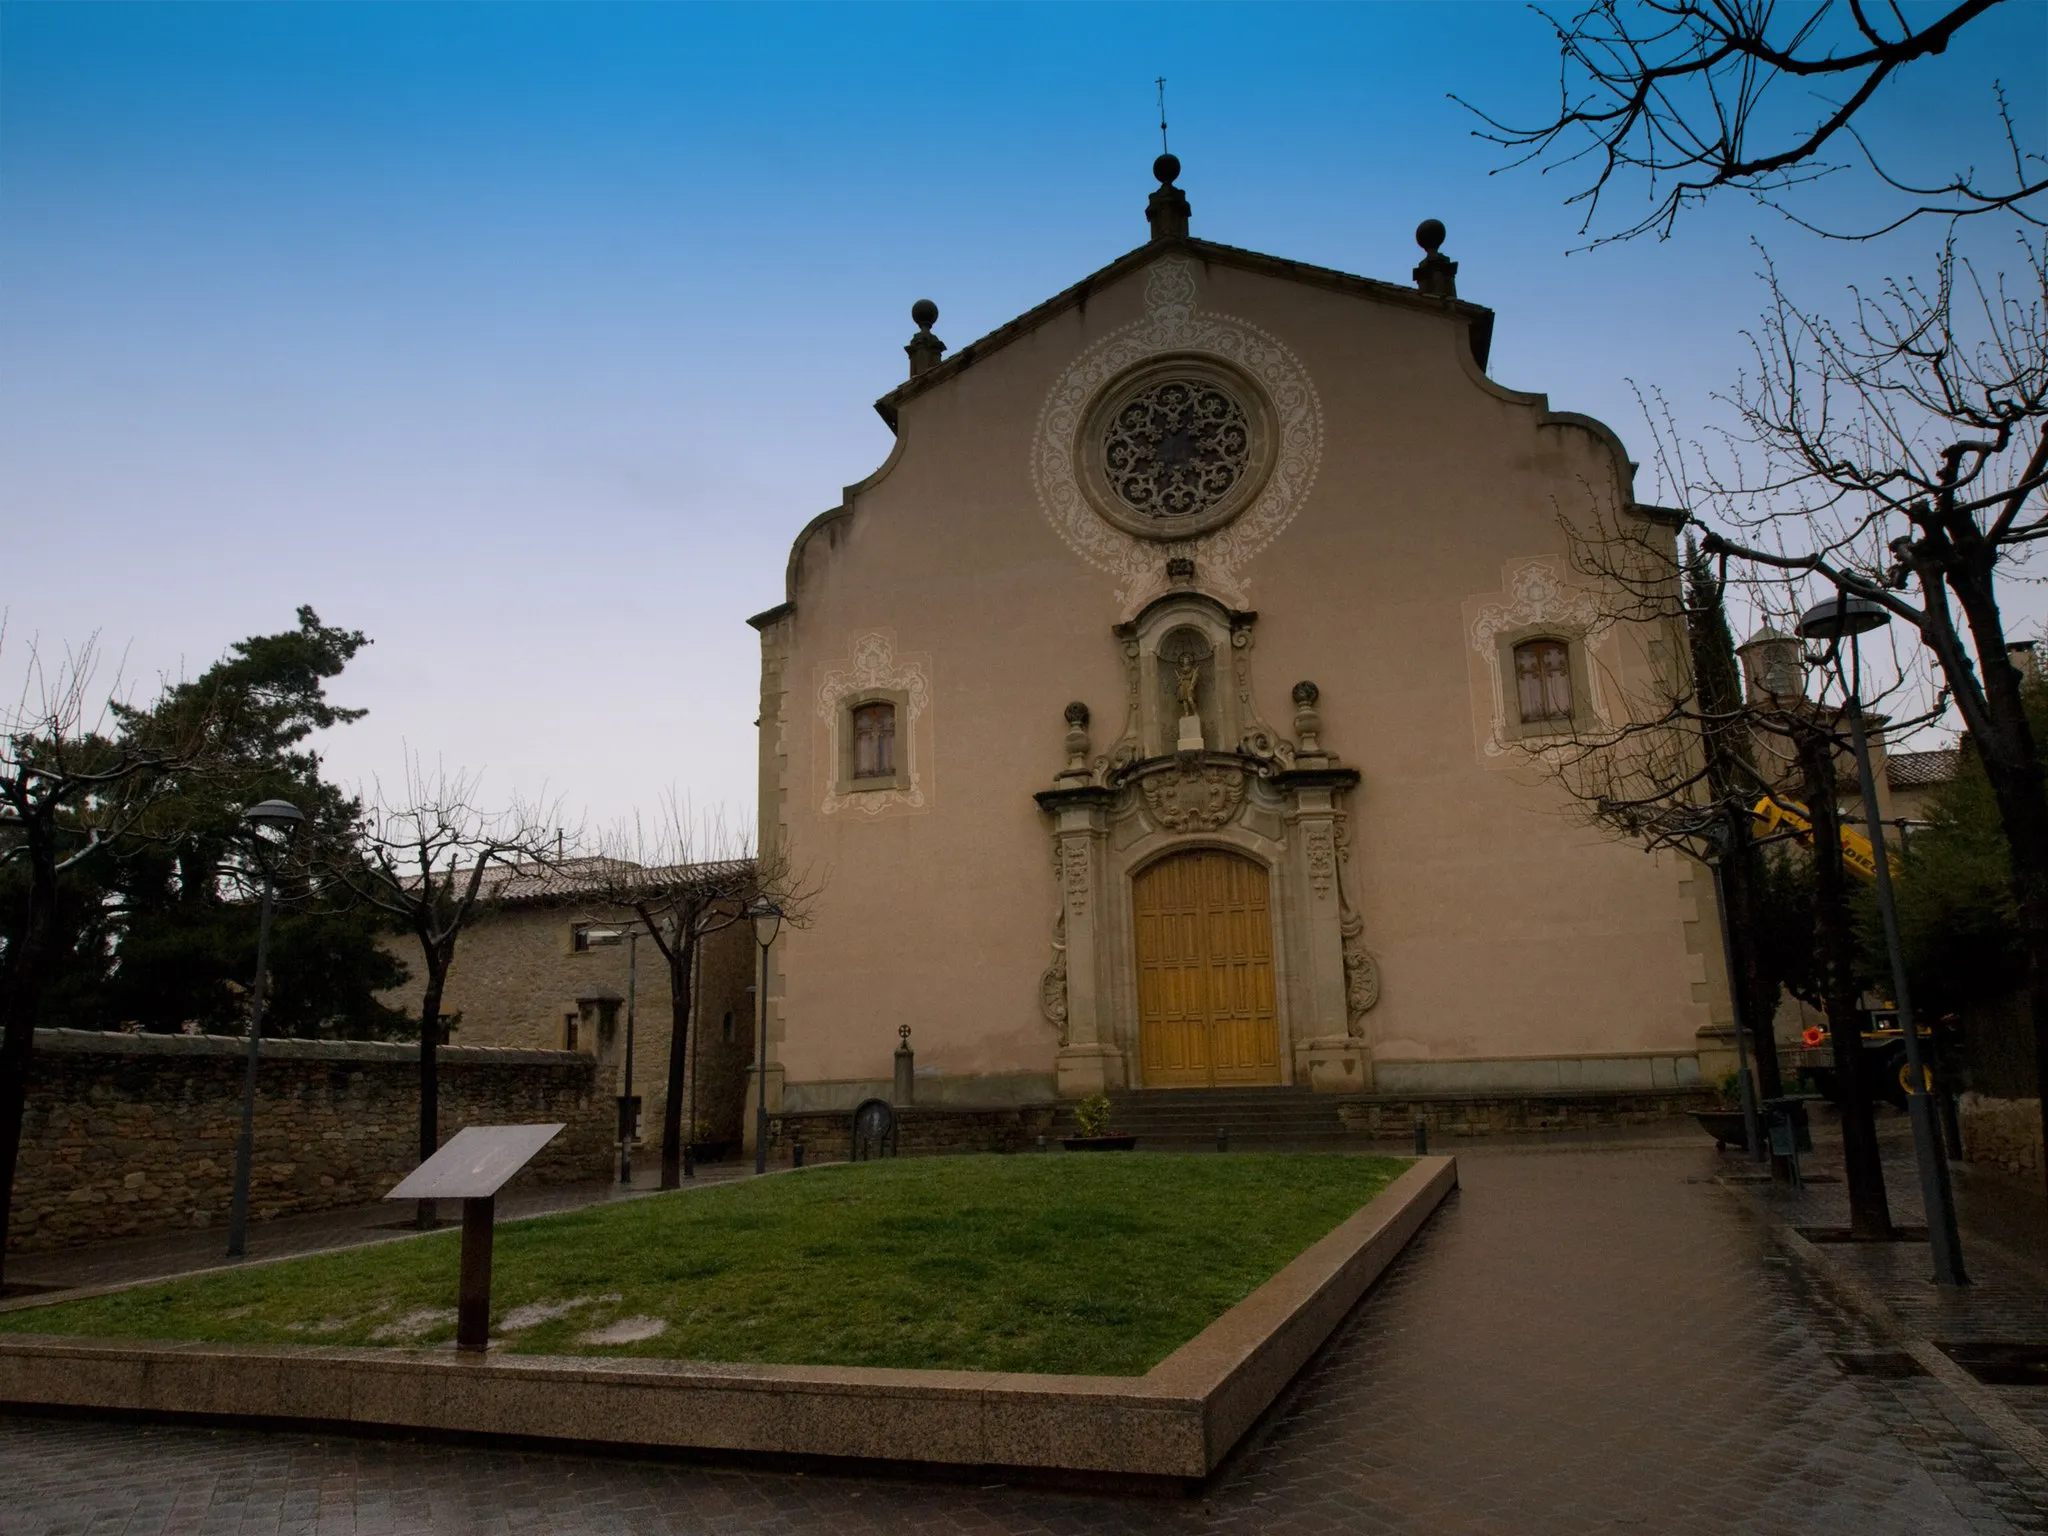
(1099, 1143)
(1176, 1422)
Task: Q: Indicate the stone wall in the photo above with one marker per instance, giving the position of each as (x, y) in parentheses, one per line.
(134, 1134)
(2005, 1133)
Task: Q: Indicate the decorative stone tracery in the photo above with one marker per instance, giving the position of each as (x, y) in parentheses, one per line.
(1177, 449)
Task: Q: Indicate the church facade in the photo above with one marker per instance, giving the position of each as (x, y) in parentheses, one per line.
(1169, 711)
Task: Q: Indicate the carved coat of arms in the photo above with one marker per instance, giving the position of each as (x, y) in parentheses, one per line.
(1194, 799)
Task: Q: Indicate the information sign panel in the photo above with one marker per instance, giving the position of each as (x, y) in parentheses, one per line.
(476, 1163)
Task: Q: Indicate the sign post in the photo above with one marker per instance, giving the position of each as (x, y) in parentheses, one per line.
(477, 1162)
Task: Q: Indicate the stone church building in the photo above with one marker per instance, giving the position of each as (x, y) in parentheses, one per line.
(1166, 711)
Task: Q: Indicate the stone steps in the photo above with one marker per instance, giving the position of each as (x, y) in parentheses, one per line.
(1194, 1114)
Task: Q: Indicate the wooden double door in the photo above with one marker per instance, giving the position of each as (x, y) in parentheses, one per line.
(1205, 972)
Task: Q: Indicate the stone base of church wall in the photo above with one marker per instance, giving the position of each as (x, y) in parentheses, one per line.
(1385, 1117)
(989, 1090)
(827, 1134)
(1085, 1070)
(1649, 1072)
(1336, 1064)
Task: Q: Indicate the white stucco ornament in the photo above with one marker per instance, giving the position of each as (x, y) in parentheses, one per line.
(1174, 327)
(875, 665)
(1537, 594)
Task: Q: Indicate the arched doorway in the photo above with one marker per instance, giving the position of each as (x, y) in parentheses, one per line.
(1205, 972)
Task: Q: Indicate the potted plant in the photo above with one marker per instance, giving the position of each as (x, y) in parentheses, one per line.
(1092, 1115)
(1724, 1123)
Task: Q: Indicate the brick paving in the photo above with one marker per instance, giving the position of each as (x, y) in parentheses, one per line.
(1587, 1340)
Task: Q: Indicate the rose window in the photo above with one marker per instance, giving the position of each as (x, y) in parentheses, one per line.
(1177, 449)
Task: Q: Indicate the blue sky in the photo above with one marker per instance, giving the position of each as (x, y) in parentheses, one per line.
(524, 337)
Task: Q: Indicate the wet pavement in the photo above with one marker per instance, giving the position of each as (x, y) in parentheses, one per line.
(124, 1261)
(1599, 1337)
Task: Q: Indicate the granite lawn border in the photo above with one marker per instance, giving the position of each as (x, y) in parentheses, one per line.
(1178, 1421)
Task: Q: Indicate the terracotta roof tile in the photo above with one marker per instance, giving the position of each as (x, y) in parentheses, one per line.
(1917, 770)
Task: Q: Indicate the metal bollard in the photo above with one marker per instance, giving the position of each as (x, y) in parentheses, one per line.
(1421, 1138)
(1222, 1138)
(1041, 1143)
(796, 1154)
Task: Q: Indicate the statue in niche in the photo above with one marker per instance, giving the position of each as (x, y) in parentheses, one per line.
(1187, 682)
(1187, 692)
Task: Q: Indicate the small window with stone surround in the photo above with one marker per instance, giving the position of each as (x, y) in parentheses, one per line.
(1543, 682)
(1544, 685)
(872, 753)
(874, 740)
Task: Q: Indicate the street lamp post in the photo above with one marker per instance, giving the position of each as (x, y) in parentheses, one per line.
(767, 918)
(1845, 617)
(283, 817)
(629, 1119)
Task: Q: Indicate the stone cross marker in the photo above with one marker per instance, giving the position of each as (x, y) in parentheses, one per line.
(477, 1162)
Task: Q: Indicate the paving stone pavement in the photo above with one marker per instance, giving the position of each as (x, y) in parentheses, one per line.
(1582, 1341)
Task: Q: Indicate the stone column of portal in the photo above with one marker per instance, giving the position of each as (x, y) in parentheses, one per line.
(1090, 1061)
(1326, 1055)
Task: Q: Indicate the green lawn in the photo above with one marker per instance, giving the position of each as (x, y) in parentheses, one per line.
(1099, 1265)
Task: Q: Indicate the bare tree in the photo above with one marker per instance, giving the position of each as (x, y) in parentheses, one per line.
(1690, 752)
(685, 879)
(433, 861)
(1904, 458)
(1691, 95)
(68, 790)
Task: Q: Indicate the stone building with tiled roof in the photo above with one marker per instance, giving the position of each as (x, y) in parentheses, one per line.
(550, 966)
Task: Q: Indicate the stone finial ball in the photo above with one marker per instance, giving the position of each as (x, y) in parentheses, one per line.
(1077, 713)
(1166, 167)
(925, 313)
(1429, 234)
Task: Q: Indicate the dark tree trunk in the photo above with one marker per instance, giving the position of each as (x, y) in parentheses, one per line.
(681, 969)
(427, 1214)
(2012, 763)
(21, 987)
(1869, 1208)
(1757, 991)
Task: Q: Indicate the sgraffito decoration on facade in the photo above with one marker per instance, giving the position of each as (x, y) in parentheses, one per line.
(1200, 470)
(874, 666)
(1536, 595)
(1194, 799)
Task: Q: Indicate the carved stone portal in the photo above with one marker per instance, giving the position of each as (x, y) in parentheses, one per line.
(1246, 789)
